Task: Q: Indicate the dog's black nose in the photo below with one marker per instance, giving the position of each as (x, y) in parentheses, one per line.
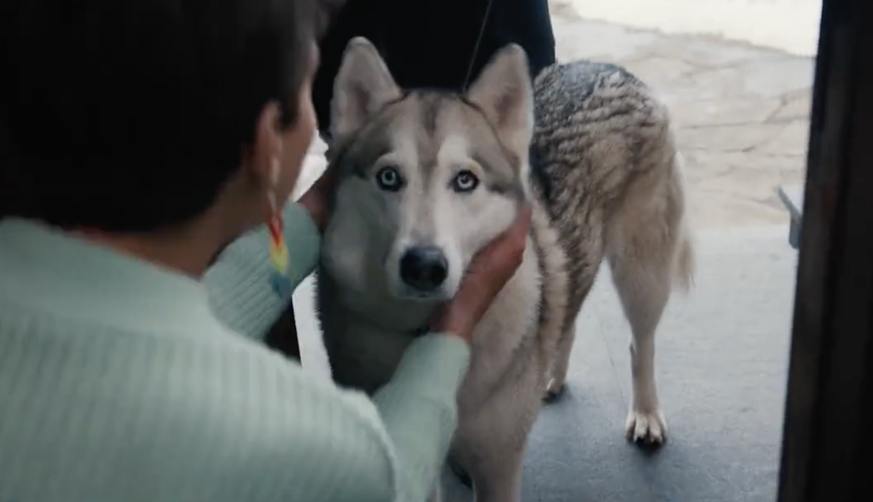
(424, 267)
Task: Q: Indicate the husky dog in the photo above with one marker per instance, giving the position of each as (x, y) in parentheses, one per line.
(427, 178)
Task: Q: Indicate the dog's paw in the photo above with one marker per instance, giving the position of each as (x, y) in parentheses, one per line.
(554, 390)
(646, 428)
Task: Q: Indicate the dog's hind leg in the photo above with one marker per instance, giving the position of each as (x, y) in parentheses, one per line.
(648, 248)
(564, 348)
(560, 364)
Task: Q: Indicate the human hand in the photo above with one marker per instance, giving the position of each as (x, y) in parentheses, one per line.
(490, 270)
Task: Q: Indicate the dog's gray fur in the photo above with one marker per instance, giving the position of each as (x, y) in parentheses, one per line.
(606, 183)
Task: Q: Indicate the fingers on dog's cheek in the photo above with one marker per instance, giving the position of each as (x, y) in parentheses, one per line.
(524, 213)
(523, 220)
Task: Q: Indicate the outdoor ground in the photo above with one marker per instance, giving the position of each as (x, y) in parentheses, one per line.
(741, 115)
(786, 25)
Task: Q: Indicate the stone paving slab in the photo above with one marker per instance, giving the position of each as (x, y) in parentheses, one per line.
(741, 113)
(788, 25)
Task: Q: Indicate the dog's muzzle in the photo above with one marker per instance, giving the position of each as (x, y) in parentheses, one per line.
(424, 268)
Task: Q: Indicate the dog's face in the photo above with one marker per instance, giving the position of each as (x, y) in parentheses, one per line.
(426, 178)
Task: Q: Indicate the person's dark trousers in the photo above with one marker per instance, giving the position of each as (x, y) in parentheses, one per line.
(430, 43)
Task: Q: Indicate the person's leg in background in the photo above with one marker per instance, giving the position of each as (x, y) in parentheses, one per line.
(434, 43)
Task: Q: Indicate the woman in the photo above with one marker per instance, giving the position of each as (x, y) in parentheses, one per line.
(144, 137)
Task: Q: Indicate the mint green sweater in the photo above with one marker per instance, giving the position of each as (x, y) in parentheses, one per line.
(124, 382)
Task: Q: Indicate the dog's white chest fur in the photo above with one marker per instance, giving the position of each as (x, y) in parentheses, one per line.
(366, 335)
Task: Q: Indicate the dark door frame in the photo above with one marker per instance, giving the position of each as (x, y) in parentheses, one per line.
(830, 383)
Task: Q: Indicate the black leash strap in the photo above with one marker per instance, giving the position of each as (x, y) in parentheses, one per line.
(478, 45)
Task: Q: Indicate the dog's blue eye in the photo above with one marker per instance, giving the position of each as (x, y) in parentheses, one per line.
(465, 181)
(388, 179)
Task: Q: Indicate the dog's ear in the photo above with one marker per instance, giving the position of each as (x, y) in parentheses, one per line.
(363, 85)
(503, 91)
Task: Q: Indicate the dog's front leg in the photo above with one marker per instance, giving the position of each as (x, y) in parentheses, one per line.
(490, 447)
(497, 477)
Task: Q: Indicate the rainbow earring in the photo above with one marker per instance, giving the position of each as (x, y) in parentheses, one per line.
(279, 256)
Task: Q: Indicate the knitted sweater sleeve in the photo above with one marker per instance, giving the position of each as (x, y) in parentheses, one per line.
(239, 282)
(417, 409)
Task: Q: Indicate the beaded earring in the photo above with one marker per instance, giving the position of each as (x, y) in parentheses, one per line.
(279, 257)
